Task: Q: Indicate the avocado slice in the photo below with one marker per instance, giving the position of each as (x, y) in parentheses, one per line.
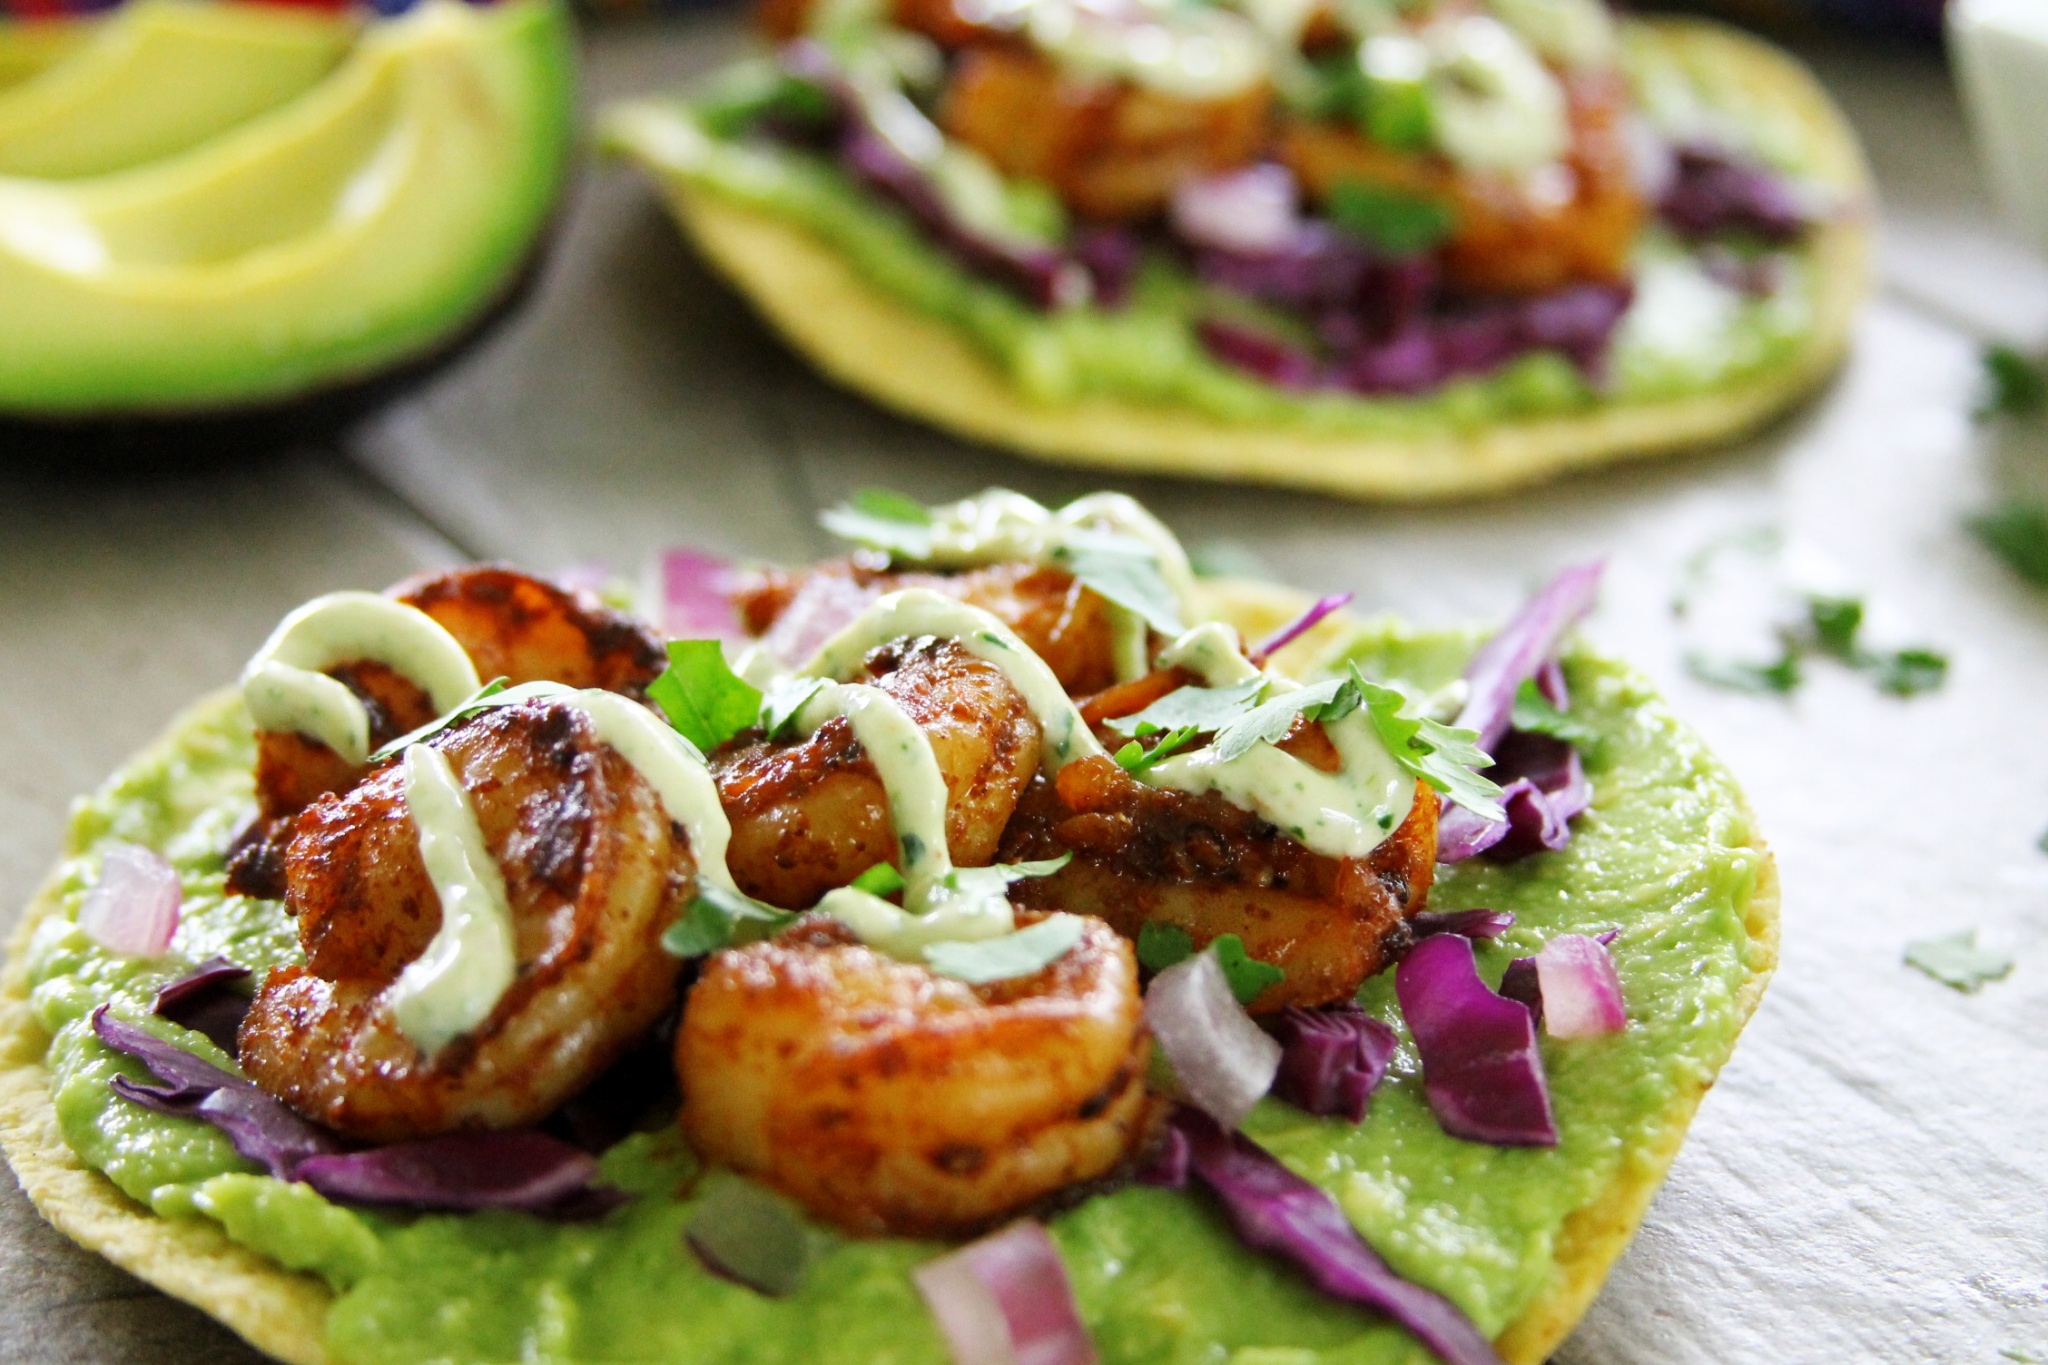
(159, 77)
(29, 47)
(342, 234)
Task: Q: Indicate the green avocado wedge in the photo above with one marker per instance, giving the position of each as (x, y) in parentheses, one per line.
(344, 232)
(130, 94)
(31, 47)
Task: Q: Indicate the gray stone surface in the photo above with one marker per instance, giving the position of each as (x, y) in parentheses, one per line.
(1870, 1179)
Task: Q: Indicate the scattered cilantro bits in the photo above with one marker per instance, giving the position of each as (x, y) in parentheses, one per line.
(1168, 945)
(1447, 758)
(882, 519)
(2017, 532)
(879, 880)
(702, 697)
(712, 920)
(1008, 956)
(1956, 960)
(1832, 630)
(2015, 384)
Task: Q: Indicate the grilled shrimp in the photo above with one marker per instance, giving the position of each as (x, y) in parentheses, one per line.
(511, 625)
(1146, 855)
(595, 871)
(812, 815)
(1510, 236)
(1112, 150)
(1066, 624)
(889, 1099)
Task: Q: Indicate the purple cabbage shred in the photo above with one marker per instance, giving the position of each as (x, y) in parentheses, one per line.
(1301, 625)
(1521, 648)
(1168, 1168)
(208, 999)
(1481, 1070)
(1543, 788)
(1713, 193)
(523, 1170)
(1470, 923)
(1275, 1210)
(1332, 1059)
(1280, 363)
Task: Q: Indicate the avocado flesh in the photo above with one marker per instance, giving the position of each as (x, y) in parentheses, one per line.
(29, 47)
(344, 233)
(162, 76)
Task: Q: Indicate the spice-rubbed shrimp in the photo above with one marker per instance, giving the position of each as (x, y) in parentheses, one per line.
(889, 1099)
(811, 815)
(526, 629)
(1149, 855)
(512, 625)
(1067, 625)
(594, 870)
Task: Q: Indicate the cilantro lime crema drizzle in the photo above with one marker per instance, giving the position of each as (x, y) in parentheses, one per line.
(286, 688)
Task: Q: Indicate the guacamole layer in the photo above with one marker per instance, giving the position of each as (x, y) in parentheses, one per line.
(1666, 855)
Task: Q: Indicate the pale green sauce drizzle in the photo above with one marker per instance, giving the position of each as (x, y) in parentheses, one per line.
(999, 526)
(455, 984)
(903, 758)
(286, 688)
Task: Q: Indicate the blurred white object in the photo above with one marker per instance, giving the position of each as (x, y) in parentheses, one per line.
(2000, 50)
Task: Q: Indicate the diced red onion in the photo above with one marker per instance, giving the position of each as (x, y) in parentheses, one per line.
(1332, 1059)
(825, 605)
(1275, 1210)
(1581, 992)
(133, 908)
(1224, 1061)
(1255, 209)
(1005, 1300)
(1481, 1070)
(1521, 647)
(1300, 626)
(694, 605)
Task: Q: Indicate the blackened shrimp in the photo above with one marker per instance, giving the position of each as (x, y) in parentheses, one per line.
(1066, 624)
(889, 1099)
(1144, 855)
(594, 870)
(811, 815)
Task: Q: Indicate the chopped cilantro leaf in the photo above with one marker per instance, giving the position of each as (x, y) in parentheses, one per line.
(2042, 842)
(2018, 532)
(1205, 708)
(1439, 754)
(1389, 219)
(1270, 721)
(753, 91)
(1125, 571)
(994, 879)
(1227, 559)
(1956, 960)
(1909, 672)
(2014, 384)
(1008, 956)
(879, 880)
(463, 709)
(702, 697)
(709, 922)
(1163, 945)
(882, 519)
(1740, 675)
(1835, 623)
(1534, 713)
(780, 704)
(1246, 974)
(1135, 758)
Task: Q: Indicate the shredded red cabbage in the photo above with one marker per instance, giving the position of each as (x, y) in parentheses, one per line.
(1318, 269)
(1481, 1070)
(1168, 1167)
(1470, 923)
(1543, 788)
(208, 999)
(461, 1172)
(1521, 647)
(1521, 984)
(528, 1171)
(1300, 626)
(1273, 359)
(1712, 193)
(1111, 255)
(1275, 1210)
(1332, 1059)
(260, 1127)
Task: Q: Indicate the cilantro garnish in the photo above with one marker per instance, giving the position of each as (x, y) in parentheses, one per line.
(883, 519)
(2015, 385)
(1833, 627)
(752, 91)
(1135, 758)
(462, 710)
(1125, 571)
(1206, 708)
(1166, 945)
(2017, 531)
(710, 921)
(1956, 960)
(1227, 559)
(702, 697)
(995, 879)
(1009, 955)
(780, 704)
(1909, 672)
(1269, 722)
(1389, 219)
(1836, 620)
(1781, 676)
(1442, 755)
(879, 880)
(1534, 713)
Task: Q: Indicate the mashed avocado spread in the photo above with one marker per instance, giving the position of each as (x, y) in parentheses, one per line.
(1665, 855)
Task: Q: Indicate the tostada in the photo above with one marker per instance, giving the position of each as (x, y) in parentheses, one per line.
(1393, 250)
(1002, 946)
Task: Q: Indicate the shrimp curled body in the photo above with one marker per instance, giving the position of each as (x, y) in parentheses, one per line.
(594, 870)
(890, 1099)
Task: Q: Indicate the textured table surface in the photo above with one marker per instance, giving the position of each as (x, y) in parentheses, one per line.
(1869, 1182)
